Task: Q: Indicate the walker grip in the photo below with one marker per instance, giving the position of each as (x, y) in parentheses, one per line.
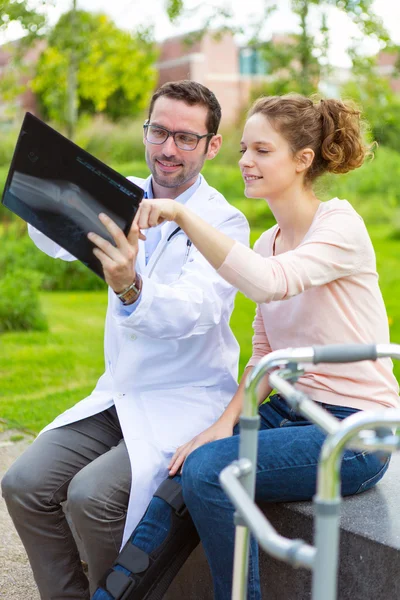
(342, 353)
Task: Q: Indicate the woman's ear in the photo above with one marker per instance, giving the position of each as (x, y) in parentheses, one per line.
(304, 159)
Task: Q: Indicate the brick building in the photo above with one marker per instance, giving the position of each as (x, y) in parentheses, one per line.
(217, 63)
(387, 66)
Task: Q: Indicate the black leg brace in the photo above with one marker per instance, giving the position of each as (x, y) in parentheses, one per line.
(137, 575)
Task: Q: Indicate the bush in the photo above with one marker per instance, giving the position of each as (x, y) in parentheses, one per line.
(373, 189)
(113, 143)
(5, 214)
(229, 153)
(380, 106)
(19, 252)
(257, 213)
(8, 141)
(19, 302)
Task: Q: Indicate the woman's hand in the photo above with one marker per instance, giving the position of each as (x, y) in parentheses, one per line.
(211, 243)
(153, 212)
(218, 431)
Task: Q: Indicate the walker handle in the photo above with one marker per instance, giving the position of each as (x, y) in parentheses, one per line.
(343, 353)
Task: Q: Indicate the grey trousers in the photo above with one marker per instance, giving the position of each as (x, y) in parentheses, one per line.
(87, 464)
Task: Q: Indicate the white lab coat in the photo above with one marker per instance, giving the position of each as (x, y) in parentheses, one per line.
(171, 365)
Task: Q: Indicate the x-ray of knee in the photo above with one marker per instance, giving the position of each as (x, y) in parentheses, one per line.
(52, 199)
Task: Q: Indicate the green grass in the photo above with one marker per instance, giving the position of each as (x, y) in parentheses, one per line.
(43, 373)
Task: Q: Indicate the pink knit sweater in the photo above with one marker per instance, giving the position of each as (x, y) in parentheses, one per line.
(325, 291)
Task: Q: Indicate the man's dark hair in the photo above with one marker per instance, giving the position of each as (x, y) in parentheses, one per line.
(192, 93)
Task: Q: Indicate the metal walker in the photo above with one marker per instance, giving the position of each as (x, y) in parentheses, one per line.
(367, 430)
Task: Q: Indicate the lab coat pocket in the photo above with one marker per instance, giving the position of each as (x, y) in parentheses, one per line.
(177, 415)
(167, 266)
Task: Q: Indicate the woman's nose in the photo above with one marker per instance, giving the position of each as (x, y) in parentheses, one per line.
(245, 159)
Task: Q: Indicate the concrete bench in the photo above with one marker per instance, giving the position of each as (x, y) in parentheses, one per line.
(369, 549)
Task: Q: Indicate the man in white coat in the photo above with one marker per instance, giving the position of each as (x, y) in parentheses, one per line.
(170, 364)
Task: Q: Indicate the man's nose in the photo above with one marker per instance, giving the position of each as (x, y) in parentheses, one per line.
(169, 146)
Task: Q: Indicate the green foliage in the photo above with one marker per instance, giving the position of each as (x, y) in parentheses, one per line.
(381, 106)
(8, 140)
(362, 14)
(292, 62)
(297, 64)
(174, 9)
(115, 74)
(22, 12)
(372, 189)
(18, 252)
(11, 84)
(114, 143)
(222, 15)
(19, 302)
(226, 179)
(26, 15)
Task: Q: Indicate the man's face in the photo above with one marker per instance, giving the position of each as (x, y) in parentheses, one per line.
(175, 170)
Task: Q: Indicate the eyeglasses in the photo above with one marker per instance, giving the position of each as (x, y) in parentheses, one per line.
(155, 134)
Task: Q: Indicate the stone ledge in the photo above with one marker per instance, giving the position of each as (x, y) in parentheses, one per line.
(369, 549)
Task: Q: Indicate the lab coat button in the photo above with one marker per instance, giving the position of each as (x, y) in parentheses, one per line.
(119, 396)
(133, 337)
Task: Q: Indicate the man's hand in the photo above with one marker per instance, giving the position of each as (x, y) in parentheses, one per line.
(218, 431)
(119, 263)
(154, 212)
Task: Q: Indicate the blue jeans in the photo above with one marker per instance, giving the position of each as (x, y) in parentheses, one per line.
(288, 452)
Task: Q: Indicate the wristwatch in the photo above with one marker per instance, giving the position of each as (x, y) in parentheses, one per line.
(131, 293)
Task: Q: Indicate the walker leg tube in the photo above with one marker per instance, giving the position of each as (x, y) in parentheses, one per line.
(240, 563)
(247, 449)
(327, 532)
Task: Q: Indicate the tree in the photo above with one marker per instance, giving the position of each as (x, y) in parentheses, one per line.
(381, 106)
(298, 62)
(115, 68)
(31, 19)
(305, 59)
(32, 22)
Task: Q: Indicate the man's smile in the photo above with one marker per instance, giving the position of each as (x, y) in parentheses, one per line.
(168, 166)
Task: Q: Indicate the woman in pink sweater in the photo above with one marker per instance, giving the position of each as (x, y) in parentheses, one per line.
(313, 276)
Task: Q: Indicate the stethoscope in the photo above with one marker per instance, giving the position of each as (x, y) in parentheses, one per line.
(177, 230)
(169, 238)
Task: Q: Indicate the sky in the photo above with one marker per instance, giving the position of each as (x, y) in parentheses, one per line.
(134, 13)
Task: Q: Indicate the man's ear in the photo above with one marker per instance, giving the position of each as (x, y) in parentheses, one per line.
(304, 159)
(214, 146)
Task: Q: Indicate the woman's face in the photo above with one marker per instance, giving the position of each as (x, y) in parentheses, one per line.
(268, 166)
